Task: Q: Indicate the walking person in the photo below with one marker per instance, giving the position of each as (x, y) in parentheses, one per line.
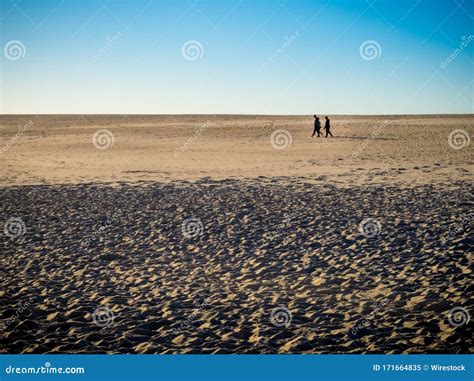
(327, 127)
(317, 126)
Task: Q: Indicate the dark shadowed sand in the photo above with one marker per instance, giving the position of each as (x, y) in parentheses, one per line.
(199, 234)
(262, 245)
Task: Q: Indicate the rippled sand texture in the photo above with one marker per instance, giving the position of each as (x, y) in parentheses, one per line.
(265, 244)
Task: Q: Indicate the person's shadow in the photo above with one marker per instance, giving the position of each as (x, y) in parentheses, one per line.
(364, 138)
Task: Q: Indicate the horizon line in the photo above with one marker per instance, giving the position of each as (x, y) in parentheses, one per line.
(231, 114)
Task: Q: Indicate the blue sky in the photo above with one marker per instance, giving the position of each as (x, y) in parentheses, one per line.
(237, 57)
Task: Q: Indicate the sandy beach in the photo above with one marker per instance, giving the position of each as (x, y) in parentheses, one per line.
(236, 234)
(379, 150)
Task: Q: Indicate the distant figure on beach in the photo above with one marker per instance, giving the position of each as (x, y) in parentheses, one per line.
(317, 126)
(327, 127)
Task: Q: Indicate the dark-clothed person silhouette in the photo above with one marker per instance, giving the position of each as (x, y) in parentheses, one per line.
(317, 126)
(327, 127)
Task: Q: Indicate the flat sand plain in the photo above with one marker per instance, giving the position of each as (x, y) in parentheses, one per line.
(203, 234)
(59, 149)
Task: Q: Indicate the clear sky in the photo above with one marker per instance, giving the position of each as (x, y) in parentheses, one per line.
(237, 57)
